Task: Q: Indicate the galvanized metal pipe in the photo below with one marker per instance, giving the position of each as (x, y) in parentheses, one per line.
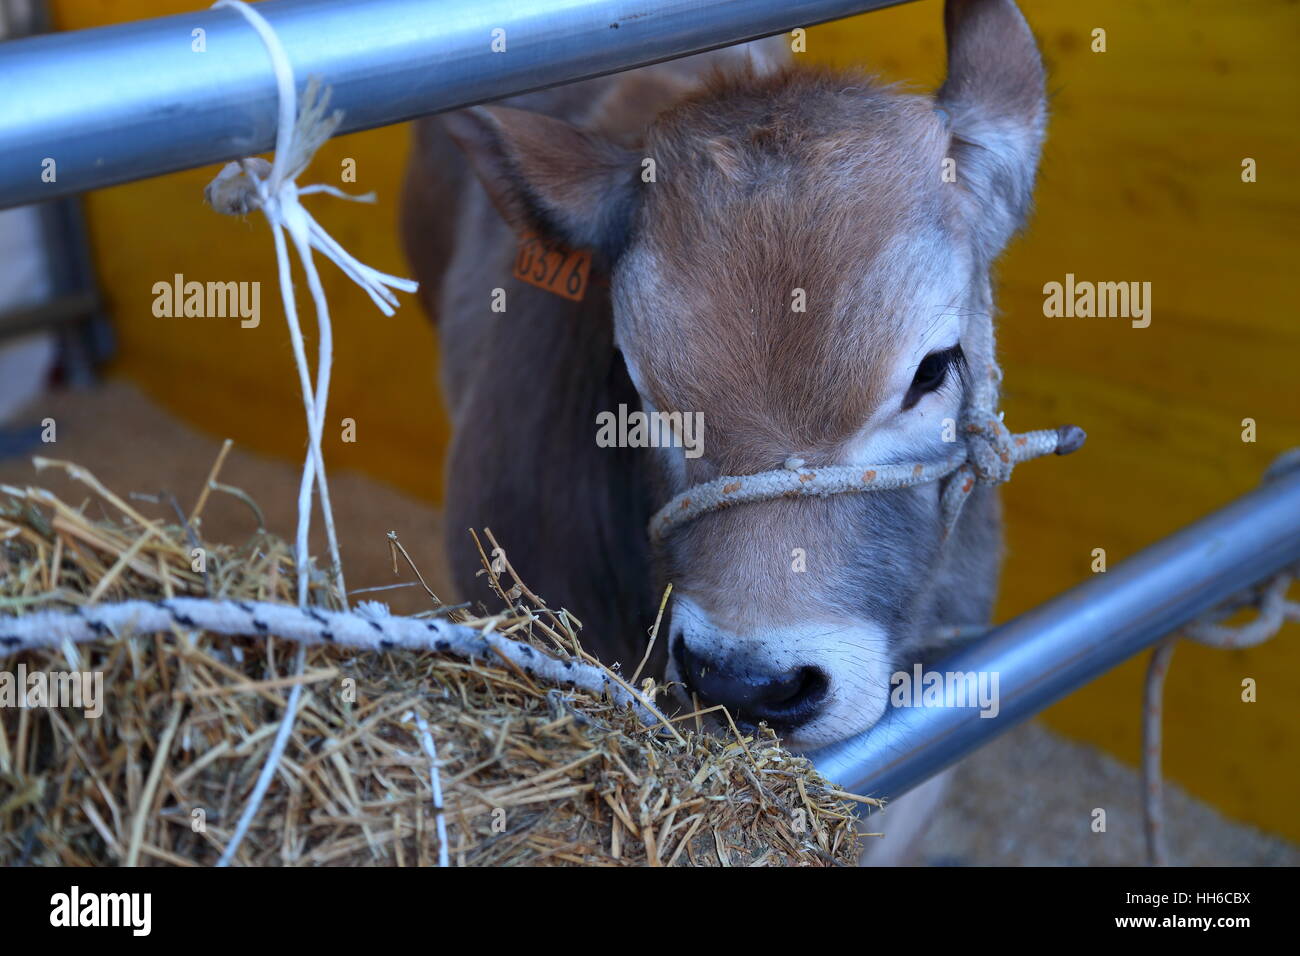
(1055, 649)
(133, 100)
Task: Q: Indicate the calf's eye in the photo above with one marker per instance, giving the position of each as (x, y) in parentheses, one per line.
(931, 374)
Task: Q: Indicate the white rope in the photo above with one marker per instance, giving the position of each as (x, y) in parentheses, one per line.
(435, 785)
(795, 480)
(1153, 784)
(272, 763)
(237, 189)
(368, 627)
(249, 184)
(1273, 611)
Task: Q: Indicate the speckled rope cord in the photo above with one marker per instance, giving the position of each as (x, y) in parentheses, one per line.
(986, 453)
(368, 627)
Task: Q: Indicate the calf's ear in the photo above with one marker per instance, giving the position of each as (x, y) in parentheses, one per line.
(997, 108)
(550, 177)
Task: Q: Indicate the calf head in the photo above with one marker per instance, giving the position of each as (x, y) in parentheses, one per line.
(800, 271)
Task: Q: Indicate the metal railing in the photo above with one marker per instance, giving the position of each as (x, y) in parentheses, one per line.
(134, 100)
(1058, 647)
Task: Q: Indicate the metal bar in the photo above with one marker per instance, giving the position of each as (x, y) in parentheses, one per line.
(1055, 649)
(134, 100)
(72, 307)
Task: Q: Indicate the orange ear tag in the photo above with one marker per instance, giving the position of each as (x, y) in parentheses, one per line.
(552, 266)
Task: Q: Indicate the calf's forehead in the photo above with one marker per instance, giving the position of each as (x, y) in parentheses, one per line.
(797, 246)
(787, 319)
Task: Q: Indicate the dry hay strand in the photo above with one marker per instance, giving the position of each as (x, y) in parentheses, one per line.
(530, 774)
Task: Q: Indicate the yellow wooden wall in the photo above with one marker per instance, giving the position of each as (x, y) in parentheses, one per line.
(1140, 182)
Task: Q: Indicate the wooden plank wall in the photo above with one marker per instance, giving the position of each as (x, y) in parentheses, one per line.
(239, 382)
(1141, 181)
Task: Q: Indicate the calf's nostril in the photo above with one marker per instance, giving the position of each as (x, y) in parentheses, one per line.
(782, 699)
(678, 653)
(808, 684)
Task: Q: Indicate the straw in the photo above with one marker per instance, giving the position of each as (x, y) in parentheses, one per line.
(529, 774)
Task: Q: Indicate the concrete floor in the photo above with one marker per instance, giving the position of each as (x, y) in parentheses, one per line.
(133, 446)
(1027, 799)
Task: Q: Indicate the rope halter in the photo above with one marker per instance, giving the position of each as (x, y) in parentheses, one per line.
(986, 454)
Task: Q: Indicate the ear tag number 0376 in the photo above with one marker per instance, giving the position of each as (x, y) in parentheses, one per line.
(553, 267)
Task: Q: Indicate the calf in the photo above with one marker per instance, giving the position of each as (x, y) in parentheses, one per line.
(797, 256)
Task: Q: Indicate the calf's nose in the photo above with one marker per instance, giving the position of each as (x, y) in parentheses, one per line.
(781, 699)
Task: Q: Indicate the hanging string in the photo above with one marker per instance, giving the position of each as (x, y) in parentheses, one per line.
(249, 184)
(1273, 610)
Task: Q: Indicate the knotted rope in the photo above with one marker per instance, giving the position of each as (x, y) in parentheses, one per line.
(1273, 610)
(254, 184)
(987, 455)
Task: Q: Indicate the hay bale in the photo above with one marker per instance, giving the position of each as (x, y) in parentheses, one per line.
(529, 773)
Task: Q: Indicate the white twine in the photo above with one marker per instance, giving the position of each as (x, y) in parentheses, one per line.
(795, 480)
(272, 763)
(435, 785)
(248, 184)
(237, 189)
(1273, 611)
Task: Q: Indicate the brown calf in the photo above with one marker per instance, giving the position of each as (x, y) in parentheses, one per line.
(794, 255)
